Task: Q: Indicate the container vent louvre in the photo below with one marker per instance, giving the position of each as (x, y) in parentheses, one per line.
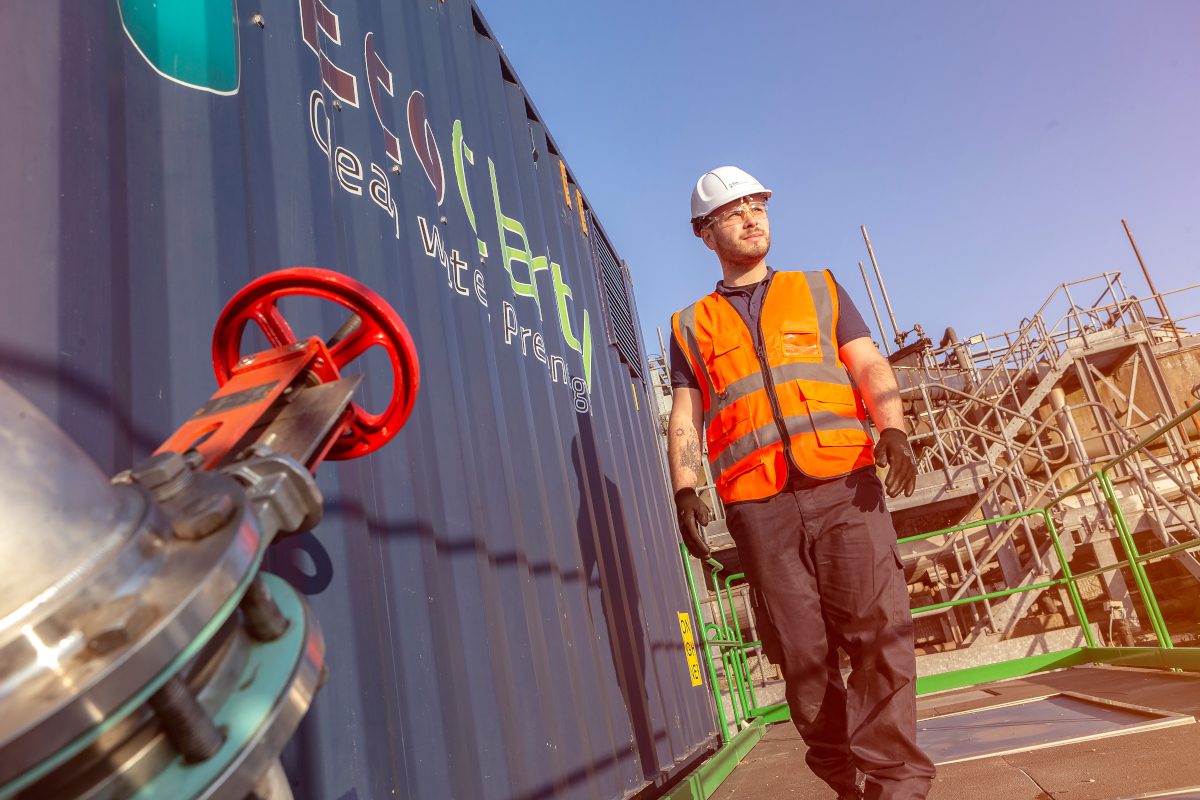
(621, 331)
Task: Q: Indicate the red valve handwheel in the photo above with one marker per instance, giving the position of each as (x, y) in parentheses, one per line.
(380, 326)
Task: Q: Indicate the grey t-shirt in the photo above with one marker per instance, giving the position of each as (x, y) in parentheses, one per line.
(748, 301)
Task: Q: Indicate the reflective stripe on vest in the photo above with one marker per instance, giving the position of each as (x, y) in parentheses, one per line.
(818, 407)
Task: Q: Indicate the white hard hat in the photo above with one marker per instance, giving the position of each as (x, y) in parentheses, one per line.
(720, 186)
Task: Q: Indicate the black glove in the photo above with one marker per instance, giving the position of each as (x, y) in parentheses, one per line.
(693, 515)
(892, 449)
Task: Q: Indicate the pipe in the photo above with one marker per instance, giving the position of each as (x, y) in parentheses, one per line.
(871, 296)
(937, 436)
(1161, 305)
(882, 288)
(963, 354)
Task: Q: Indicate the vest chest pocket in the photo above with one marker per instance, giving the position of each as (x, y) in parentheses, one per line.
(728, 360)
(800, 342)
(835, 416)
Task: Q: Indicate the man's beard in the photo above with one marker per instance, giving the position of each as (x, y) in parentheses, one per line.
(745, 254)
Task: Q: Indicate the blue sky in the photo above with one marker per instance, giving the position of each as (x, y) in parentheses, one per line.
(991, 150)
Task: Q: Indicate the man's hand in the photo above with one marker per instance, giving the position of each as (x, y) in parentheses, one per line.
(892, 450)
(877, 383)
(693, 515)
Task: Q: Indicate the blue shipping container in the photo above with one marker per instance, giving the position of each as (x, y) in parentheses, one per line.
(500, 587)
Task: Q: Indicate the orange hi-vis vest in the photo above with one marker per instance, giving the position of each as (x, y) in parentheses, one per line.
(792, 396)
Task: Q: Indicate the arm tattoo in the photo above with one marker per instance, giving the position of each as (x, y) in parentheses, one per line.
(690, 457)
(685, 455)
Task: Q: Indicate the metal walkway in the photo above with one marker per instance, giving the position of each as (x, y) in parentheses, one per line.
(1142, 764)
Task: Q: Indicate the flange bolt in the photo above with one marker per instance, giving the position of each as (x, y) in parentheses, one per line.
(185, 722)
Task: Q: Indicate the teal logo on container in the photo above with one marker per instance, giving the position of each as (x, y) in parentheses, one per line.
(190, 43)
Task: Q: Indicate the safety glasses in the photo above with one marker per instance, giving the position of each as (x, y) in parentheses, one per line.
(739, 214)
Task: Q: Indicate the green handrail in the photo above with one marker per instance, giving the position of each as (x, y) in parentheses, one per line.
(744, 662)
(727, 666)
(707, 650)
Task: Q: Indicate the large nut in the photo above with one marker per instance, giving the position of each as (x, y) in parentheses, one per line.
(164, 474)
(116, 624)
(204, 516)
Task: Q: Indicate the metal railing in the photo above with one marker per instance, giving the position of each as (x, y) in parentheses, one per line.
(727, 643)
(1139, 473)
(998, 366)
(975, 403)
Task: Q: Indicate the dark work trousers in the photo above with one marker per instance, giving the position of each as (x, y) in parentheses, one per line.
(823, 559)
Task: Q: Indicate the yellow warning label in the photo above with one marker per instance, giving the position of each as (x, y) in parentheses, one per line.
(689, 649)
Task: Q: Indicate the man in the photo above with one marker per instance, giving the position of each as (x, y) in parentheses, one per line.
(777, 367)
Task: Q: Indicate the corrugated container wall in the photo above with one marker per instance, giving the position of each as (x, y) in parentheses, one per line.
(500, 586)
